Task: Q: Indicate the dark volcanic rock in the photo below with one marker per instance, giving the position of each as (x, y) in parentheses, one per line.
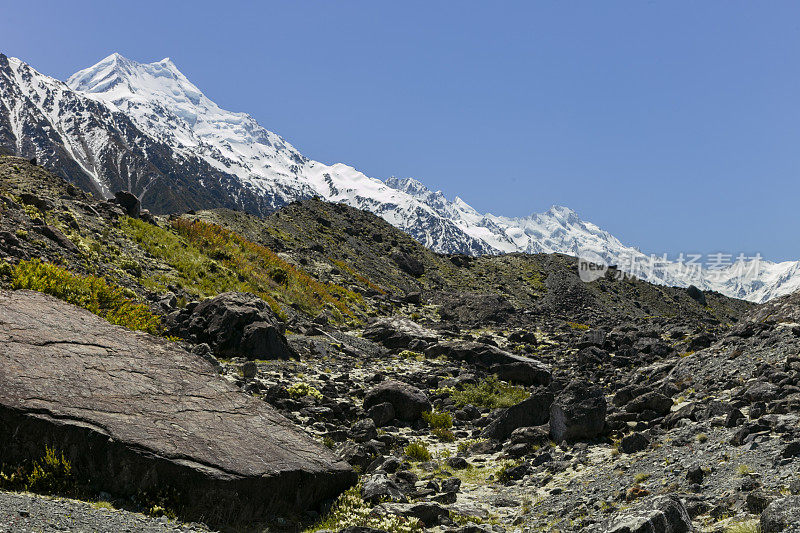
(408, 264)
(534, 411)
(635, 442)
(129, 202)
(592, 337)
(133, 412)
(697, 295)
(378, 487)
(409, 402)
(472, 308)
(651, 401)
(55, 235)
(578, 412)
(234, 324)
(381, 413)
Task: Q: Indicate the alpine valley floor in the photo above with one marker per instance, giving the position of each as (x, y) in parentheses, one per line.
(412, 390)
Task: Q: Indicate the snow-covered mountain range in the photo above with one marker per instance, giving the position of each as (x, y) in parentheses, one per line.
(121, 124)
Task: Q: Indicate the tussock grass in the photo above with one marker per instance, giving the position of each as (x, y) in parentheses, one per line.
(417, 451)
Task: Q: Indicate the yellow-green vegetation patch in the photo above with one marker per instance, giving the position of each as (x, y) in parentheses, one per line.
(745, 526)
(418, 451)
(114, 303)
(438, 420)
(365, 282)
(52, 474)
(103, 505)
(298, 390)
(491, 393)
(350, 510)
(465, 445)
(502, 473)
(208, 260)
(409, 354)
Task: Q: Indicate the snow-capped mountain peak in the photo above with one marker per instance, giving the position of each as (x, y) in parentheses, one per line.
(147, 128)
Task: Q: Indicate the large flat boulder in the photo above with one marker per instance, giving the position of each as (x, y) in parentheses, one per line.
(133, 412)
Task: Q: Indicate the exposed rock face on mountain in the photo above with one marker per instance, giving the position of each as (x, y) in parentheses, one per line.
(135, 413)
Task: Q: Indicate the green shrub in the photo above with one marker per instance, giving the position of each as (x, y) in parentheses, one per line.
(438, 420)
(350, 510)
(95, 294)
(490, 393)
(52, 474)
(300, 389)
(444, 435)
(417, 451)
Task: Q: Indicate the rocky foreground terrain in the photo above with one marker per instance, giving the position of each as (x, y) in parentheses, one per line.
(319, 370)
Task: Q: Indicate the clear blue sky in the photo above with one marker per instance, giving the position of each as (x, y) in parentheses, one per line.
(673, 124)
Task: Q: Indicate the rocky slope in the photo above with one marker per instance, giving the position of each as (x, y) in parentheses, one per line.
(497, 393)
